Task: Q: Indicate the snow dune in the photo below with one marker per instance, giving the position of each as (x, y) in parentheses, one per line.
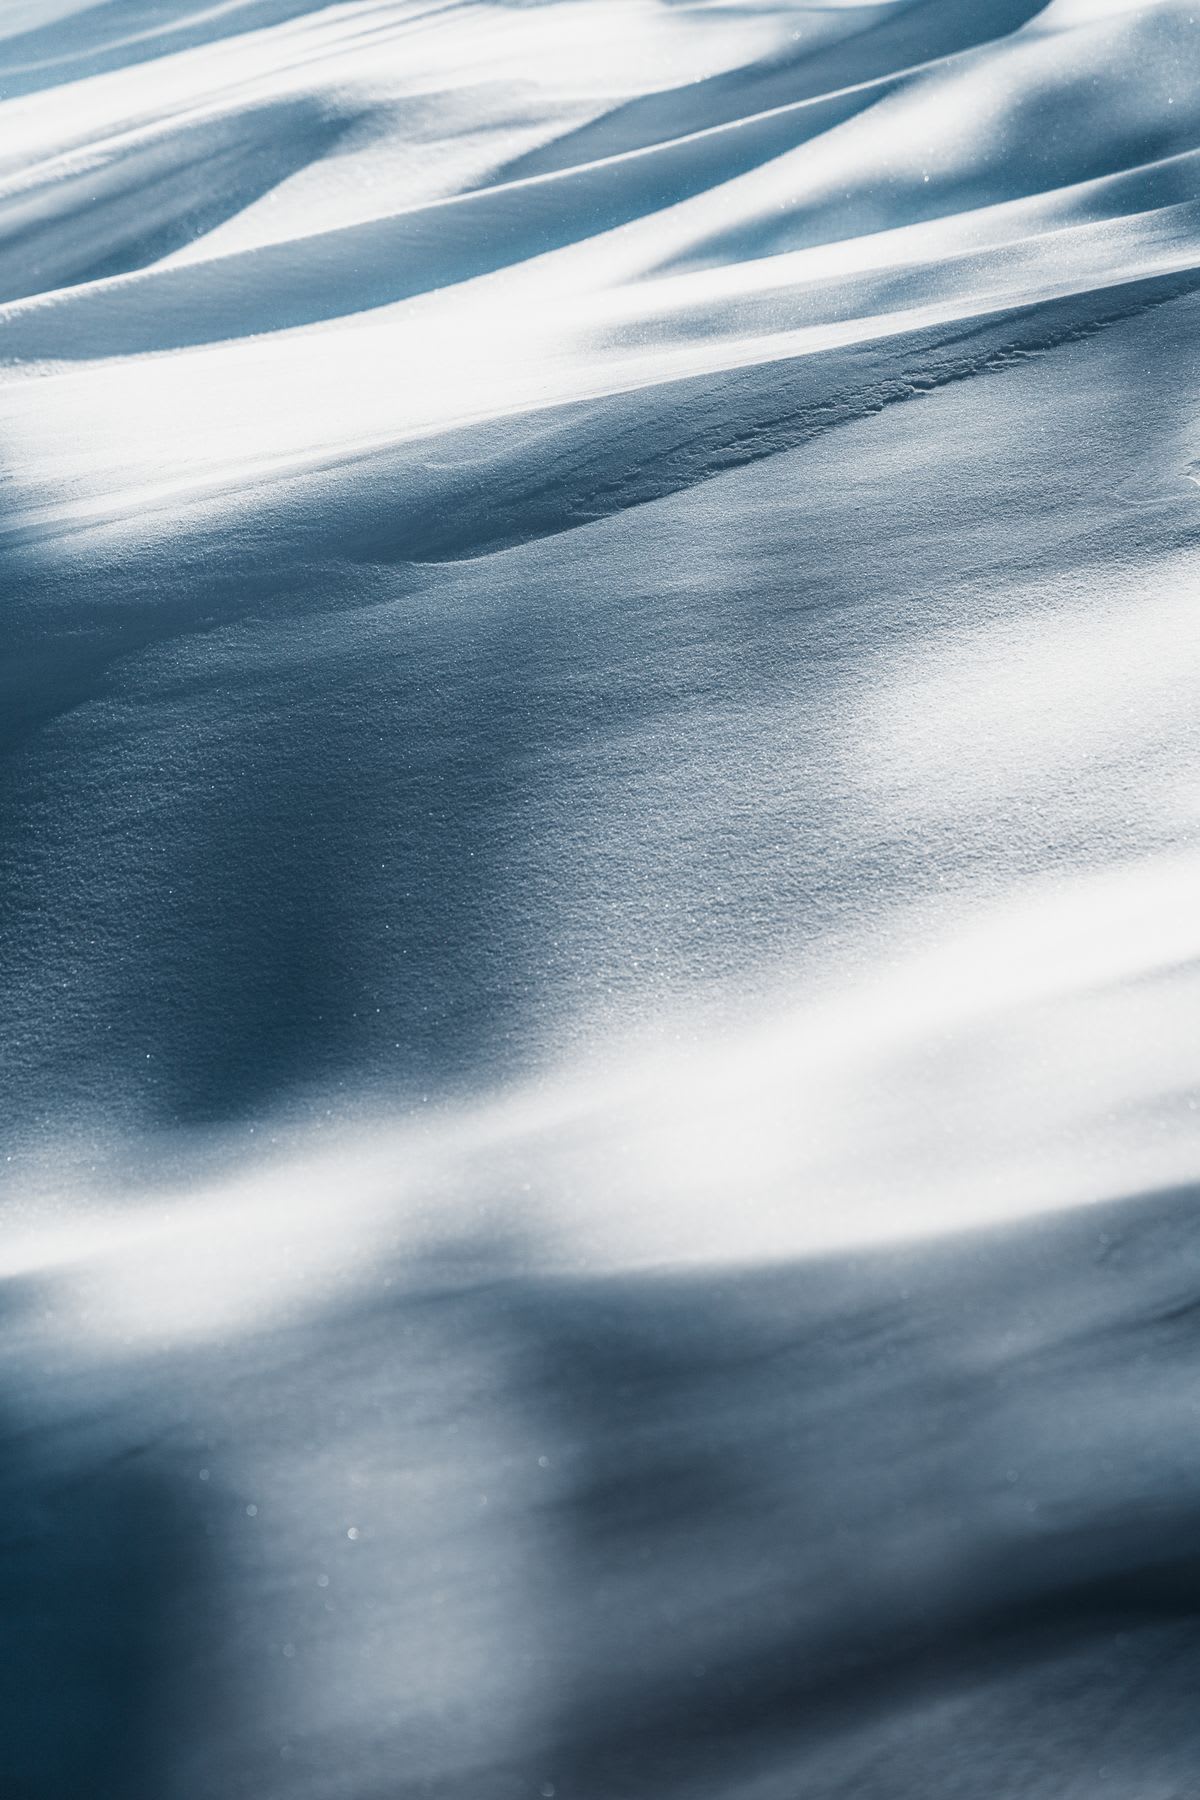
(598, 866)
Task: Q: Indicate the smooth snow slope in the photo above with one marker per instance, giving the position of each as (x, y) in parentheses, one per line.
(598, 741)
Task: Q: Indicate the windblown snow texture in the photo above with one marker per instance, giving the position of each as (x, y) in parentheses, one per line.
(599, 899)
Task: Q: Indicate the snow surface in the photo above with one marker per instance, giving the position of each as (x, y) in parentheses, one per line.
(599, 898)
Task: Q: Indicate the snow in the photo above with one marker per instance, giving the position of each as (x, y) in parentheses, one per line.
(600, 895)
